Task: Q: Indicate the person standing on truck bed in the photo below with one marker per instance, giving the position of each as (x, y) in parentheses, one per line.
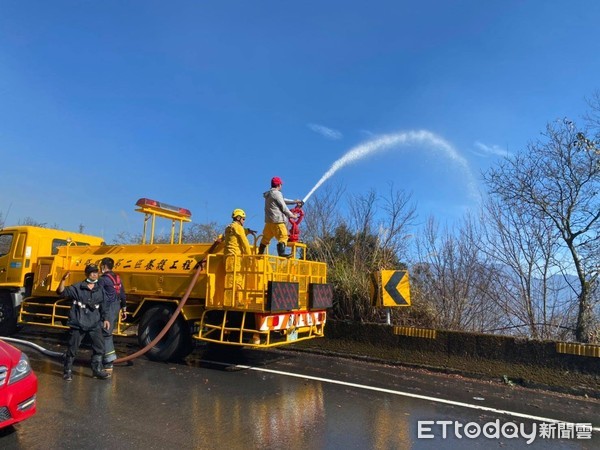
(87, 316)
(236, 241)
(276, 217)
(116, 301)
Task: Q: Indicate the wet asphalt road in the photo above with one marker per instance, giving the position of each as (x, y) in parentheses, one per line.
(272, 400)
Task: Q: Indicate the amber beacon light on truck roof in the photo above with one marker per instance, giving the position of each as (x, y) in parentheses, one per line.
(154, 208)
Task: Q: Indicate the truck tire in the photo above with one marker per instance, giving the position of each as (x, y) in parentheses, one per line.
(8, 318)
(175, 345)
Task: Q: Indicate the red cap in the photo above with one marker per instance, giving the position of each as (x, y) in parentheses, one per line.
(276, 181)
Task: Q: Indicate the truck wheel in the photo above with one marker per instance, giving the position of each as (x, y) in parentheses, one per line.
(175, 345)
(8, 318)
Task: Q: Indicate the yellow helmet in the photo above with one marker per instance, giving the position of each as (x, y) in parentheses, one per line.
(238, 212)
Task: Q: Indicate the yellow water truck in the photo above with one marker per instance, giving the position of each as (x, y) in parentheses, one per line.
(251, 300)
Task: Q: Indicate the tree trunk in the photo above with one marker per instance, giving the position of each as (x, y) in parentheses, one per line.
(584, 319)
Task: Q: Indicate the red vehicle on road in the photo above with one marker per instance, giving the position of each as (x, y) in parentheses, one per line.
(18, 386)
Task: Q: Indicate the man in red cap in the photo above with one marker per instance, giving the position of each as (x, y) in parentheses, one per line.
(276, 217)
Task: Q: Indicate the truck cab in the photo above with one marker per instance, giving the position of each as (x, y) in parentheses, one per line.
(20, 249)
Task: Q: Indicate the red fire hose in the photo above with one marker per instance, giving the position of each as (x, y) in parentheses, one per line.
(175, 314)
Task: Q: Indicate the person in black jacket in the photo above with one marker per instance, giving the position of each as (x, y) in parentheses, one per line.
(116, 300)
(87, 316)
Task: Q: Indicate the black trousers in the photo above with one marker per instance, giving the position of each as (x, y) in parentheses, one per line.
(77, 336)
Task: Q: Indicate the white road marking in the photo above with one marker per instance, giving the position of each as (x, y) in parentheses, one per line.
(403, 394)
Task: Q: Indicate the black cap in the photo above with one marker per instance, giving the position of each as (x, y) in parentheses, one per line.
(108, 263)
(90, 268)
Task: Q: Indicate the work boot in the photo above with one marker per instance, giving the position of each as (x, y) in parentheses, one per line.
(108, 368)
(281, 250)
(97, 370)
(261, 249)
(68, 368)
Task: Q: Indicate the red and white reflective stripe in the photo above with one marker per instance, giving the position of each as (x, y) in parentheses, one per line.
(289, 320)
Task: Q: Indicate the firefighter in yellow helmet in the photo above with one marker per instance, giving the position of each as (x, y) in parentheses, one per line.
(236, 242)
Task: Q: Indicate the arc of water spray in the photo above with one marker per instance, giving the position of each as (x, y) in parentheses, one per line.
(385, 142)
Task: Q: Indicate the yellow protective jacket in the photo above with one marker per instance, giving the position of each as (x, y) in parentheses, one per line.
(236, 242)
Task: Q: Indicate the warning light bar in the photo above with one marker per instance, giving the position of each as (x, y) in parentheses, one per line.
(160, 207)
(153, 209)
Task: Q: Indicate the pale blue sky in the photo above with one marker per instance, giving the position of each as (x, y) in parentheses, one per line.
(200, 103)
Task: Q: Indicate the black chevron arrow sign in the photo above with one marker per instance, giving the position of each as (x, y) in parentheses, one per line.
(391, 287)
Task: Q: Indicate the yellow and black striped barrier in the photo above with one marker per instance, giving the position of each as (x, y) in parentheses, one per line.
(578, 349)
(416, 332)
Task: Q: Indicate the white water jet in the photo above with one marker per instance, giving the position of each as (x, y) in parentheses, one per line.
(388, 141)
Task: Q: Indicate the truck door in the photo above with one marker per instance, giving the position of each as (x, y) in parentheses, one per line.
(14, 260)
(6, 241)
